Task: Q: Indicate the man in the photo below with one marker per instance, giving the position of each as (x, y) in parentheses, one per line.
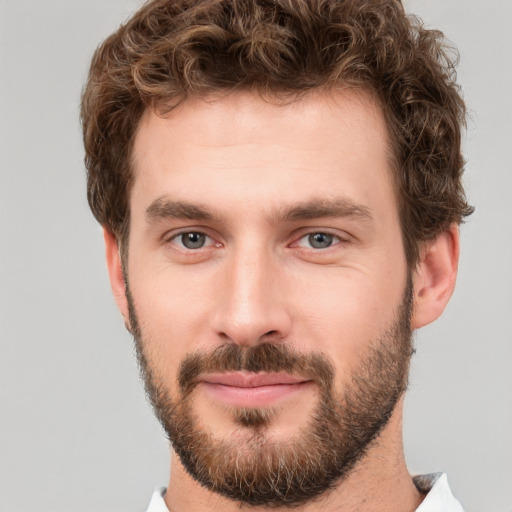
(280, 189)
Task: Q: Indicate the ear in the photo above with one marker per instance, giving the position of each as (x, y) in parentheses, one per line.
(115, 272)
(435, 276)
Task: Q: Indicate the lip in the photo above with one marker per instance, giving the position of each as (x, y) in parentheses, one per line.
(251, 389)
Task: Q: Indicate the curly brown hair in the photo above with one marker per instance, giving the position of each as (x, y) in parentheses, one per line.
(172, 48)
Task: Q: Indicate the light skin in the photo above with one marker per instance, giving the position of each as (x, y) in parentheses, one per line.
(258, 179)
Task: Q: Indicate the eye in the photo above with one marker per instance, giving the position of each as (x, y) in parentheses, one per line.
(192, 240)
(318, 240)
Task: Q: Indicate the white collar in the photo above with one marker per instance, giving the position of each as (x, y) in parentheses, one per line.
(157, 503)
(438, 499)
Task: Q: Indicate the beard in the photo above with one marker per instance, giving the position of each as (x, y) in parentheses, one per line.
(263, 471)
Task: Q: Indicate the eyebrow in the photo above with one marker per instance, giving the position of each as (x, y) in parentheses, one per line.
(164, 208)
(314, 209)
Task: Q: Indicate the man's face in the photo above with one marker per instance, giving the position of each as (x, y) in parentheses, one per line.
(268, 288)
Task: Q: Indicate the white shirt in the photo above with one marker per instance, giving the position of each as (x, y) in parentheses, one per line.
(438, 499)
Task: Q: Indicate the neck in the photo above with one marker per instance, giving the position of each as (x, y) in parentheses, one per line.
(380, 482)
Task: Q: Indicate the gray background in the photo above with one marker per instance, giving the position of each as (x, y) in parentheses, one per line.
(76, 433)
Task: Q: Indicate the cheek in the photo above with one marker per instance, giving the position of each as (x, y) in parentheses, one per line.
(171, 313)
(343, 313)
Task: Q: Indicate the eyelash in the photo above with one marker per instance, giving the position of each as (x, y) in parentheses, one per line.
(337, 239)
(176, 236)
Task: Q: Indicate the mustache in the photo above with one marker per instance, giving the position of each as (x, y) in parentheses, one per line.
(262, 358)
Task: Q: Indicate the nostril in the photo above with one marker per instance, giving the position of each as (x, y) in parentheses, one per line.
(274, 334)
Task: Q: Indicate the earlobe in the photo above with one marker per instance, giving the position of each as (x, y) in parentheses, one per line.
(115, 272)
(435, 276)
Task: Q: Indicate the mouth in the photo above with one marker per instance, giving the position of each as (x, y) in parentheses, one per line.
(241, 389)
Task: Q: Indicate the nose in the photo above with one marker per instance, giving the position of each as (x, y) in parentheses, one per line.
(251, 306)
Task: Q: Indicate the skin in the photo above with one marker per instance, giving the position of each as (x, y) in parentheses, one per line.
(258, 278)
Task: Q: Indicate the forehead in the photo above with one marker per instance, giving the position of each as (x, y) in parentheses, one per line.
(243, 118)
(240, 146)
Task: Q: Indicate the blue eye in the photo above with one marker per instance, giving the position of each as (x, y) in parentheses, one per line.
(318, 240)
(192, 240)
